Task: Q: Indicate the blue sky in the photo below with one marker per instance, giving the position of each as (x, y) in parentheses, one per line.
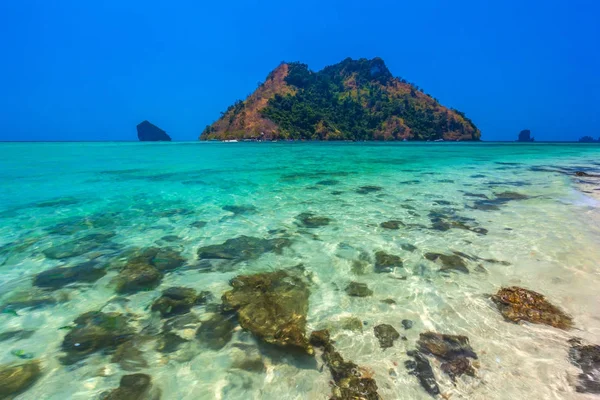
(91, 70)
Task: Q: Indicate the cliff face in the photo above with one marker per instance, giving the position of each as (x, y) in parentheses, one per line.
(148, 132)
(352, 100)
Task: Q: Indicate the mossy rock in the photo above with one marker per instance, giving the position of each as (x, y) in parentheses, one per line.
(217, 331)
(178, 300)
(356, 289)
(449, 262)
(393, 224)
(136, 277)
(15, 379)
(94, 331)
(273, 306)
(518, 304)
(350, 382)
(386, 334)
(132, 387)
(385, 262)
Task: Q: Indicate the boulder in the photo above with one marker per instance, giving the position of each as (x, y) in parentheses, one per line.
(421, 368)
(273, 306)
(94, 331)
(178, 300)
(446, 347)
(518, 304)
(351, 381)
(386, 334)
(131, 387)
(385, 262)
(356, 289)
(587, 358)
(452, 262)
(393, 224)
(217, 331)
(148, 132)
(15, 379)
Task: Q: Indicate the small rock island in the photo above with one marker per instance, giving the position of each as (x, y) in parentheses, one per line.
(148, 132)
(525, 136)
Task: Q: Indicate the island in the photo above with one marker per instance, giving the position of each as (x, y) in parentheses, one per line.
(148, 132)
(525, 136)
(588, 139)
(352, 100)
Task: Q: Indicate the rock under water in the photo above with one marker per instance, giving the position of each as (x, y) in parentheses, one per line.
(350, 382)
(178, 300)
(586, 357)
(94, 331)
(518, 304)
(273, 306)
(386, 334)
(421, 368)
(243, 248)
(15, 379)
(132, 387)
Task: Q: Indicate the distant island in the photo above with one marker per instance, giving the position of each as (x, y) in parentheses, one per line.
(148, 132)
(525, 136)
(352, 100)
(588, 139)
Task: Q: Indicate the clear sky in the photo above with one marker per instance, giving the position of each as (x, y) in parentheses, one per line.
(91, 70)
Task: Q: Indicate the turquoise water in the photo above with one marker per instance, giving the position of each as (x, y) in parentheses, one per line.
(172, 195)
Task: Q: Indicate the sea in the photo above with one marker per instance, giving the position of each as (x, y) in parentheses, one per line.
(516, 214)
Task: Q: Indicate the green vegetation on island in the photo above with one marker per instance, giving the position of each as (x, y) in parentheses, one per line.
(352, 100)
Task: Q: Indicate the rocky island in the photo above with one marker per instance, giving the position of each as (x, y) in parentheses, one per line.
(351, 100)
(525, 136)
(148, 132)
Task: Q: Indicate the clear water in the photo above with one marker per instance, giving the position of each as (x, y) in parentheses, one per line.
(551, 240)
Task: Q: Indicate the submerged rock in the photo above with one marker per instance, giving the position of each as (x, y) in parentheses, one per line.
(368, 189)
(240, 210)
(586, 357)
(407, 324)
(393, 224)
(129, 357)
(178, 300)
(169, 342)
(408, 247)
(457, 367)
(446, 347)
(132, 387)
(15, 379)
(310, 220)
(136, 277)
(518, 304)
(56, 278)
(386, 334)
(199, 224)
(16, 335)
(448, 262)
(421, 368)
(94, 331)
(78, 247)
(328, 182)
(352, 324)
(243, 248)
(385, 262)
(273, 306)
(350, 380)
(217, 331)
(145, 270)
(356, 289)
(446, 220)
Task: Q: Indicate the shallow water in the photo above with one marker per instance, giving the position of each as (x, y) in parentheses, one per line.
(135, 195)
